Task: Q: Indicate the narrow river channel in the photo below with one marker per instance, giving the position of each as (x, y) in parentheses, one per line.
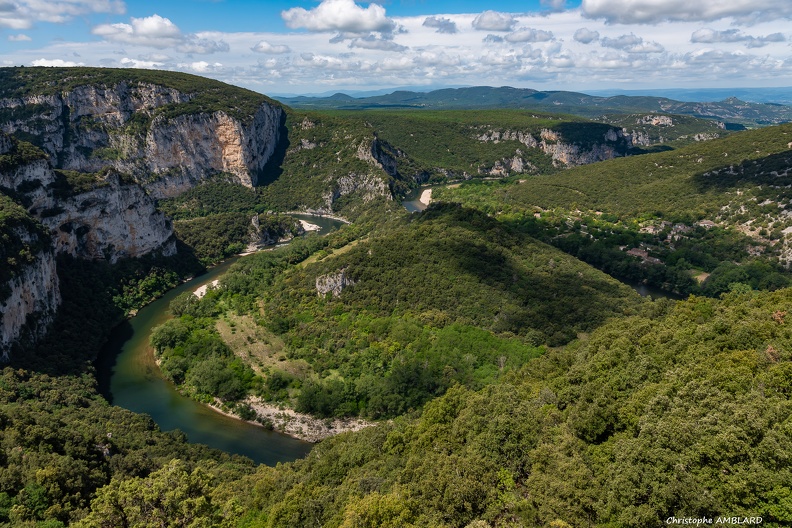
(129, 377)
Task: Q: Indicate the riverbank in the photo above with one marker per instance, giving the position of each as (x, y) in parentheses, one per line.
(320, 214)
(426, 197)
(289, 422)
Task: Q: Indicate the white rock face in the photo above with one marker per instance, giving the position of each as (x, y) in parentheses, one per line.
(113, 126)
(34, 292)
(111, 222)
(186, 149)
(552, 144)
(333, 283)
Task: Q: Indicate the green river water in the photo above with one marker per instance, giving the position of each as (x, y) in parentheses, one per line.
(129, 377)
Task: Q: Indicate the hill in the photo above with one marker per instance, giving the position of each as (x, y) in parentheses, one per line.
(379, 326)
(730, 110)
(714, 211)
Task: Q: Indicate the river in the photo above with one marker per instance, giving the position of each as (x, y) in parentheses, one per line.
(129, 377)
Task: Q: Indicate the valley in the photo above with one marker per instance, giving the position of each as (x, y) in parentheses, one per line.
(462, 327)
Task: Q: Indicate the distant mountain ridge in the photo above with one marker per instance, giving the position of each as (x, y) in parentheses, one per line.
(731, 110)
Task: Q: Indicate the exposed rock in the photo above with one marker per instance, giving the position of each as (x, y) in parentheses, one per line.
(333, 283)
(370, 187)
(655, 120)
(552, 143)
(92, 127)
(31, 305)
(113, 221)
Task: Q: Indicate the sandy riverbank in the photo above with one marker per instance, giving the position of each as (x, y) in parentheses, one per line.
(426, 197)
(301, 426)
(308, 226)
(200, 291)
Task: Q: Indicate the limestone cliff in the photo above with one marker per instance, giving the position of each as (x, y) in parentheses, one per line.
(29, 293)
(166, 138)
(94, 216)
(33, 297)
(611, 144)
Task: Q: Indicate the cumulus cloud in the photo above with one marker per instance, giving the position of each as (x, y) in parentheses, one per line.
(494, 21)
(154, 31)
(586, 36)
(22, 14)
(711, 36)
(158, 32)
(373, 43)
(137, 63)
(622, 42)
(656, 11)
(193, 44)
(529, 35)
(266, 47)
(200, 66)
(631, 43)
(19, 38)
(55, 62)
(339, 15)
(443, 25)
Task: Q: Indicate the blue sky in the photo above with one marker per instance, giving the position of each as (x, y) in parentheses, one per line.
(305, 46)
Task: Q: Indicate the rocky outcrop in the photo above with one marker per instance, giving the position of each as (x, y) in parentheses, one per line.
(655, 120)
(191, 146)
(613, 143)
(333, 283)
(113, 221)
(31, 303)
(368, 186)
(130, 126)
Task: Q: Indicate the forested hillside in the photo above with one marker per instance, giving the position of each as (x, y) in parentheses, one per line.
(502, 373)
(695, 219)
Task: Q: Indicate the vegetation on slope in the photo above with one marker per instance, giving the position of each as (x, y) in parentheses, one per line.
(22, 238)
(452, 297)
(702, 209)
(206, 95)
(683, 410)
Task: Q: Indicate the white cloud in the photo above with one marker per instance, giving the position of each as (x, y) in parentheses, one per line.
(622, 42)
(586, 36)
(442, 24)
(373, 43)
(529, 35)
(136, 63)
(158, 32)
(657, 11)
(494, 21)
(265, 47)
(23, 14)
(193, 44)
(339, 15)
(711, 36)
(201, 66)
(55, 62)
(19, 38)
(154, 31)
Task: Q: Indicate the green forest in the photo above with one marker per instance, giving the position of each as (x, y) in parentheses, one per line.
(494, 345)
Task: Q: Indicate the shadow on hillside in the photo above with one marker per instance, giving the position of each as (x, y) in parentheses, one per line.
(274, 166)
(474, 268)
(775, 170)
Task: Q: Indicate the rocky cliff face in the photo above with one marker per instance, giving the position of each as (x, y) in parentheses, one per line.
(129, 126)
(612, 144)
(113, 221)
(108, 219)
(32, 300)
